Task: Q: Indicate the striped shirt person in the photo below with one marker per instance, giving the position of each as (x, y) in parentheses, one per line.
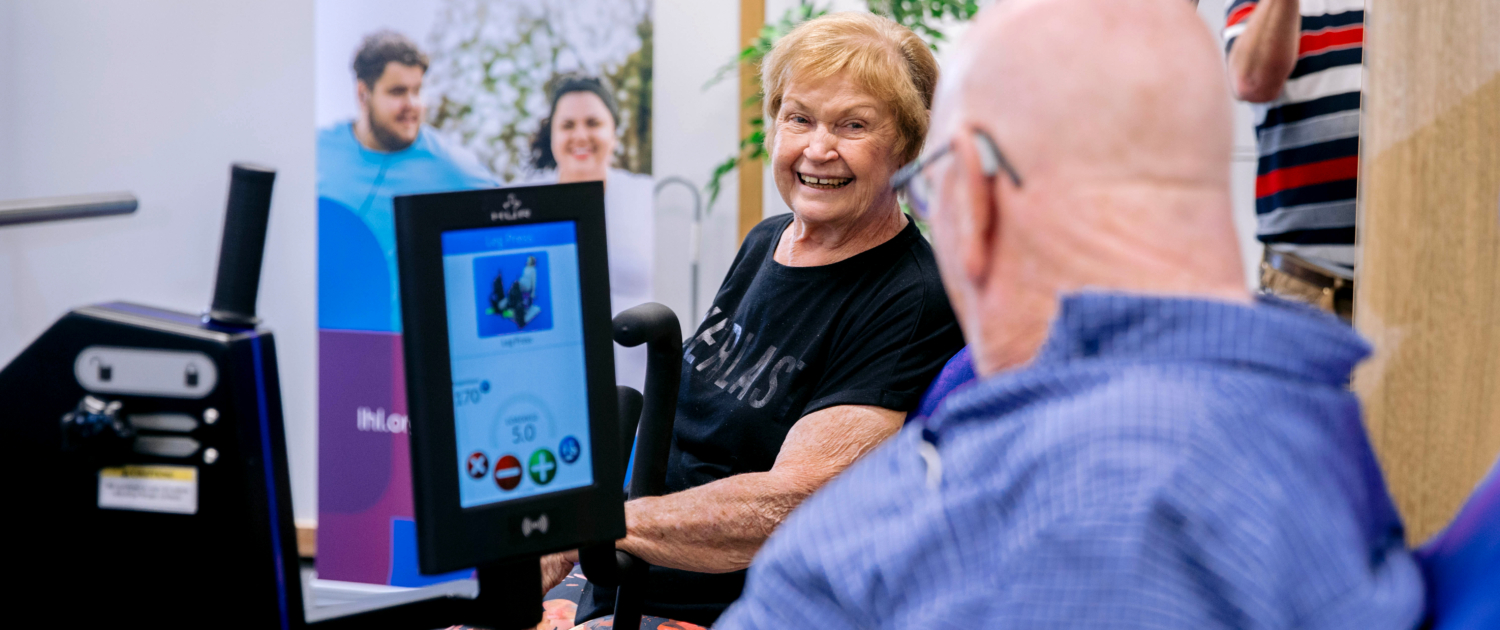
(1308, 130)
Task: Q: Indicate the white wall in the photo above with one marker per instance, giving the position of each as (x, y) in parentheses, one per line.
(7, 70)
(157, 97)
(694, 129)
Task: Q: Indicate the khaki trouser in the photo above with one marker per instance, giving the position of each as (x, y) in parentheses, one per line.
(1337, 299)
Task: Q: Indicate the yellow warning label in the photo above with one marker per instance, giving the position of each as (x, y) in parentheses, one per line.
(174, 473)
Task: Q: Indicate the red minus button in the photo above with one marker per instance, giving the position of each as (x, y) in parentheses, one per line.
(508, 472)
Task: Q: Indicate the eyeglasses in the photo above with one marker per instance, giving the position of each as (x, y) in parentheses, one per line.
(918, 189)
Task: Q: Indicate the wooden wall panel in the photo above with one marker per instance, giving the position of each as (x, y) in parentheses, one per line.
(751, 174)
(1428, 293)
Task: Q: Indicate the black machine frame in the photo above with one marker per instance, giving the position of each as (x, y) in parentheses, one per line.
(450, 537)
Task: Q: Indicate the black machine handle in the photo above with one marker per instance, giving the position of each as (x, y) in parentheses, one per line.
(243, 246)
(630, 403)
(657, 327)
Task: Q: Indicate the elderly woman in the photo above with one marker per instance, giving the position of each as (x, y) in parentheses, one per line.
(830, 325)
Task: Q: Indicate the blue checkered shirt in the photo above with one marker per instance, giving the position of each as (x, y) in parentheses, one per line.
(1163, 463)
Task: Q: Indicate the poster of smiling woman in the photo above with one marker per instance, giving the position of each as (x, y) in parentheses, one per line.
(418, 96)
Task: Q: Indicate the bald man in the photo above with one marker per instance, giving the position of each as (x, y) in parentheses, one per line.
(1148, 446)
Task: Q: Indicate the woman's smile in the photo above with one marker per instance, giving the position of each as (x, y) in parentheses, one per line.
(823, 183)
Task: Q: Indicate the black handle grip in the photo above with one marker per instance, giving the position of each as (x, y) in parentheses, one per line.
(601, 563)
(656, 326)
(243, 246)
(630, 403)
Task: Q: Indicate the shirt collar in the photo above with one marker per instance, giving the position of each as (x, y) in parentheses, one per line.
(1274, 334)
(1298, 341)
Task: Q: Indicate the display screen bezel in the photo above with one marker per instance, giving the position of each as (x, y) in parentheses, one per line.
(451, 537)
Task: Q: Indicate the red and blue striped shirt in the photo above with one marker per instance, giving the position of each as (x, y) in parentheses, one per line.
(1308, 136)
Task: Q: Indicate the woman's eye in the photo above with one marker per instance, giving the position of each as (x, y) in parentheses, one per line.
(801, 120)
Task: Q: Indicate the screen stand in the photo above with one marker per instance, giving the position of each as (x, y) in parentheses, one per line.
(510, 594)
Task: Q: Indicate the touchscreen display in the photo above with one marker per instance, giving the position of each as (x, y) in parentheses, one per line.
(515, 335)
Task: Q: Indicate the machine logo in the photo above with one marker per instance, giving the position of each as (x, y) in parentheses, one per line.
(538, 525)
(511, 210)
(543, 467)
(479, 465)
(508, 472)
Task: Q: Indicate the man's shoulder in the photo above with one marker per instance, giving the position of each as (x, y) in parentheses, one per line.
(1174, 434)
(1133, 400)
(448, 155)
(1145, 422)
(337, 136)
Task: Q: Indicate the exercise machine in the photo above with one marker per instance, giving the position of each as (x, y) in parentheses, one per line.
(149, 456)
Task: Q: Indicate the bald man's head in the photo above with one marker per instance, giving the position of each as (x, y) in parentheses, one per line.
(1116, 116)
(1096, 88)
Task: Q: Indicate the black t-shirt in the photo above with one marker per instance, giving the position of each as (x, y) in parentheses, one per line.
(780, 343)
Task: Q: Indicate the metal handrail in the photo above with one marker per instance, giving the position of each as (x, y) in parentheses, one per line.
(47, 209)
(695, 236)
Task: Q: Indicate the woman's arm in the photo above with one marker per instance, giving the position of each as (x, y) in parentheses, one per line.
(718, 527)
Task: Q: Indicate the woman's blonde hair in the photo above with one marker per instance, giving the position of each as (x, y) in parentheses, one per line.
(882, 57)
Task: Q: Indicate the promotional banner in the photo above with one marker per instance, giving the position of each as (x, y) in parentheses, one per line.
(418, 96)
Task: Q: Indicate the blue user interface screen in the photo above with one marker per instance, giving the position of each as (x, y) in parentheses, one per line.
(515, 337)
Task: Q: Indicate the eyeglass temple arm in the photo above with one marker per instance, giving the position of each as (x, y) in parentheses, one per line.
(992, 160)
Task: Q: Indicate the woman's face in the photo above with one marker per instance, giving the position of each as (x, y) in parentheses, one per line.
(583, 137)
(833, 151)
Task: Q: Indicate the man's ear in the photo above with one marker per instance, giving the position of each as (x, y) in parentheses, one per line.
(978, 212)
(362, 93)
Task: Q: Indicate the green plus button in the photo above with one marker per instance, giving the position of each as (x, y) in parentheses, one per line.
(543, 466)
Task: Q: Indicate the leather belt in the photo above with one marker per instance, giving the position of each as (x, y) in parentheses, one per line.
(1294, 266)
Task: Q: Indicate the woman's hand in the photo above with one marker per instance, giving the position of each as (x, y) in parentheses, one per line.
(555, 568)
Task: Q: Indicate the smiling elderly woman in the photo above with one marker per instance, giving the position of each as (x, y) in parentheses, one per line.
(830, 325)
